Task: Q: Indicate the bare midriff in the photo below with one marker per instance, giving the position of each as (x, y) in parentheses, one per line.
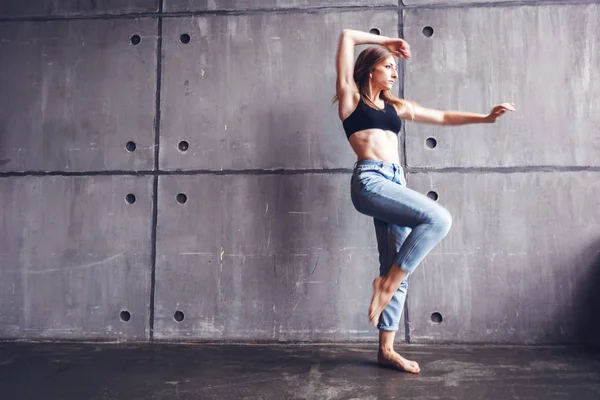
(375, 144)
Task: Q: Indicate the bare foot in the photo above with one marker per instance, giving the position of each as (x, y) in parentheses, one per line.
(380, 299)
(389, 358)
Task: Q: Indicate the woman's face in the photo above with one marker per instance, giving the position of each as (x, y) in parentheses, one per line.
(385, 74)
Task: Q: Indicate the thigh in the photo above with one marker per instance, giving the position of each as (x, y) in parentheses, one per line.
(392, 202)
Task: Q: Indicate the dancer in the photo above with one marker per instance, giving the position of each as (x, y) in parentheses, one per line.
(408, 225)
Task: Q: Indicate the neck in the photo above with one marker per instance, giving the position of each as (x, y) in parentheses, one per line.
(373, 93)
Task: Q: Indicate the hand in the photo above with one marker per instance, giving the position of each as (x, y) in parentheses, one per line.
(499, 110)
(398, 47)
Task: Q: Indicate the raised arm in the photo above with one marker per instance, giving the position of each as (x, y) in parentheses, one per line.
(345, 86)
(438, 117)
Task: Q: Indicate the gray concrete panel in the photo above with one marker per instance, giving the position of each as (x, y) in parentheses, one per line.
(521, 263)
(543, 58)
(203, 5)
(73, 256)
(255, 91)
(44, 8)
(75, 93)
(263, 257)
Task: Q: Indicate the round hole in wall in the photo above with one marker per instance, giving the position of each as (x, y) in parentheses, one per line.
(130, 198)
(184, 38)
(431, 143)
(432, 195)
(125, 316)
(178, 316)
(375, 31)
(130, 146)
(436, 317)
(181, 198)
(428, 31)
(183, 145)
(135, 40)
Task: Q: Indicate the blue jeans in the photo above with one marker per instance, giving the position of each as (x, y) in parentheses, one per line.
(408, 224)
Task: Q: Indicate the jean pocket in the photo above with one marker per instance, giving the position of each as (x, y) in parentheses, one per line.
(368, 182)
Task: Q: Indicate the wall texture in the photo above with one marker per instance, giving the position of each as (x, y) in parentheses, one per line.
(174, 170)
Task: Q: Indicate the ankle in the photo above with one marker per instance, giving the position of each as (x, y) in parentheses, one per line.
(386, 285)
(385, 349)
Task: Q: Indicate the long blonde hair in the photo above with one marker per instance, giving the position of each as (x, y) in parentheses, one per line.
(366, 61)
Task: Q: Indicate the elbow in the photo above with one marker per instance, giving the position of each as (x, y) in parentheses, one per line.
(346, 35)
(343, 37)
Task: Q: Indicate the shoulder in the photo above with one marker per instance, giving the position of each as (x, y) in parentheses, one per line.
(406, 109)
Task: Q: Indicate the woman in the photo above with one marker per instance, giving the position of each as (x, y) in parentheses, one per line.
(407, 224)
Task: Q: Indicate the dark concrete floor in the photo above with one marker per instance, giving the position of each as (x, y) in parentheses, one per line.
(168, 371)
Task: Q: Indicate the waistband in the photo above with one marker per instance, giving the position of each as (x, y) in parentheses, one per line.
(377, 163)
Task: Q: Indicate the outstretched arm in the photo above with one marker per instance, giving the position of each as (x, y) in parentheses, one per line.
(438, 117)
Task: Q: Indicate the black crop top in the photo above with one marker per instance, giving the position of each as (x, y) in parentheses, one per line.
(366, 117)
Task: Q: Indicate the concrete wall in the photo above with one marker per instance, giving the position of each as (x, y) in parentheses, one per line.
(159, 188)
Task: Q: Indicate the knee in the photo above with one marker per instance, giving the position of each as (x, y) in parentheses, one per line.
(445, 220)
(441, 219)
